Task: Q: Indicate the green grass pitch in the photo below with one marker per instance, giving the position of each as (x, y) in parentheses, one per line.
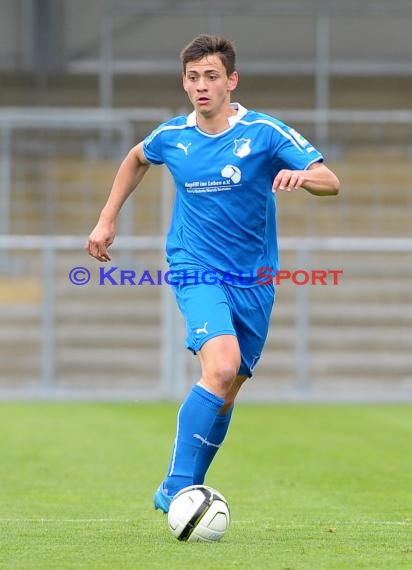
(309, 486)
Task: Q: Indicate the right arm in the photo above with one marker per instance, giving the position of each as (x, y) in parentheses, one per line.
(129, 175)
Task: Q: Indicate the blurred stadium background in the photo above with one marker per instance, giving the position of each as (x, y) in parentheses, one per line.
(81, 82)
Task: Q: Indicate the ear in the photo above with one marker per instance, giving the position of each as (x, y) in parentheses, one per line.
(233, 81)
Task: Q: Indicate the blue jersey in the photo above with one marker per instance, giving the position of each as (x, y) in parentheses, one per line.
(224, 216)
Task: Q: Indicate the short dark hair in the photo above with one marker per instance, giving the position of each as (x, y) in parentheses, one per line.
(204, 45)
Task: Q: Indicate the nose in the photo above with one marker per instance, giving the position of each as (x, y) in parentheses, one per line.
(201, 84)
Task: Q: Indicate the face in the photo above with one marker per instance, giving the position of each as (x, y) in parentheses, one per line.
(208, 86)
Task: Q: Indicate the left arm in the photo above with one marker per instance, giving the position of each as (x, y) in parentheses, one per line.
(318, 179)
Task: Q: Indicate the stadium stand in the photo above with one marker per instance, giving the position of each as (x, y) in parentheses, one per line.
(107, 340)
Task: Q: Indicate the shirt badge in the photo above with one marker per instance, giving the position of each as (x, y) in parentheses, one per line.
(242, 147)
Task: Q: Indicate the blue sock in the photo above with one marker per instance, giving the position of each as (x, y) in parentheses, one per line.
(194, 422)
(210, 447)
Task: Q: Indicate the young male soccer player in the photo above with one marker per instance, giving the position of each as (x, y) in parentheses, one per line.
(227, 163)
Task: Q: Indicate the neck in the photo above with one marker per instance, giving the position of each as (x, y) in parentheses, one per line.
(215, 124)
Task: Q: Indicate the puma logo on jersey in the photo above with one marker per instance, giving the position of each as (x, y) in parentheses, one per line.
(183, 147)
(202, 330)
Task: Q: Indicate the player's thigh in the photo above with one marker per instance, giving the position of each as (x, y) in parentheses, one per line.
(252, 308)
(220, 359)
(206, 311)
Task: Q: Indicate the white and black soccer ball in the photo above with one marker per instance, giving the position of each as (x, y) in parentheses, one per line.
(198, 514)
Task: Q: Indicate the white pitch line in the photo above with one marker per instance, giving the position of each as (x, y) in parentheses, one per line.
(233, 522)
(69, 520)
(323, 524)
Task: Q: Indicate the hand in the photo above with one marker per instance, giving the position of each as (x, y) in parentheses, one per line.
(100, 239)
(288, 180)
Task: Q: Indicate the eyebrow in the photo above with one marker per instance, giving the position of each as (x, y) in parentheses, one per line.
(204, 71)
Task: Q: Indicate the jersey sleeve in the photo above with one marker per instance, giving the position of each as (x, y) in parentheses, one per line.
(292, 150)
(152, 147)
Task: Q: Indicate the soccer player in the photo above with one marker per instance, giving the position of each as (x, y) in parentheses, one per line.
(227, 163)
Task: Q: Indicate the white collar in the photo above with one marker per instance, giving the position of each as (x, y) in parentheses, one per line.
(232, 120)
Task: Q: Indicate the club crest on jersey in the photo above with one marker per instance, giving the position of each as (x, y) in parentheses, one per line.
(242, 147)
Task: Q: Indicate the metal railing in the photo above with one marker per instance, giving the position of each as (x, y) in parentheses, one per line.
(172, 358)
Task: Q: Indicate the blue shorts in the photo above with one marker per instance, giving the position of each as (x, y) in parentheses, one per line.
(220, 308)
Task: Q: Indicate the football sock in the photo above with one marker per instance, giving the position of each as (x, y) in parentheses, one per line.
(211, 446)
(194, 422)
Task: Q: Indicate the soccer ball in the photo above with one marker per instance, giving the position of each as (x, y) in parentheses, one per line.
(198, 514)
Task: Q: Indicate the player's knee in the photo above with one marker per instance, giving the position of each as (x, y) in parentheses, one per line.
(225, 373)
(221, 376)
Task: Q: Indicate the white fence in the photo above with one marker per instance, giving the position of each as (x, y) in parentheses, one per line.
(349, 340)
(57, 165)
